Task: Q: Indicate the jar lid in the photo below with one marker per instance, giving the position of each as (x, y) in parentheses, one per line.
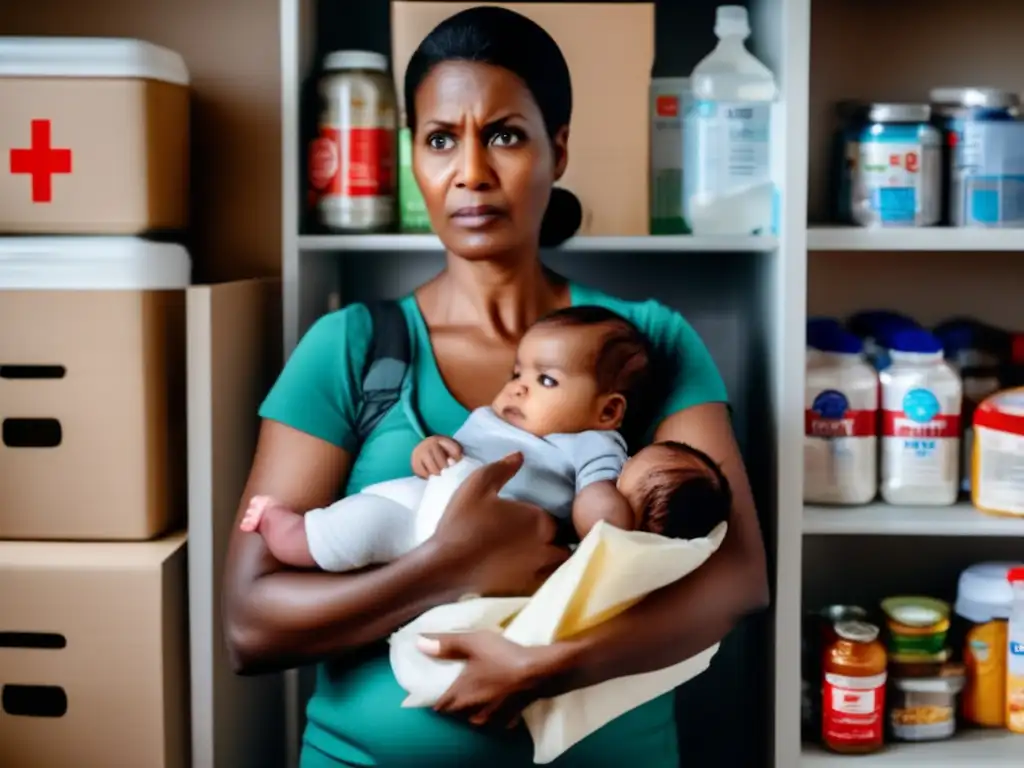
(342, 60)
(984, 592)
(857, 631)
(912, 611)
(900, 113)
(974, 97)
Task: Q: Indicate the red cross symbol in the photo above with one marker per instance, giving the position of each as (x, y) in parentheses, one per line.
(41, 162)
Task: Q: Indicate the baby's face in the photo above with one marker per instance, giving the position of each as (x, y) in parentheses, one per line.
(553, 389)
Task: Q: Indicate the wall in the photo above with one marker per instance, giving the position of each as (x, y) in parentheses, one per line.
(232, 50)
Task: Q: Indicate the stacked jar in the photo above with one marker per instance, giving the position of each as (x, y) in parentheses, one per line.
(92, 560)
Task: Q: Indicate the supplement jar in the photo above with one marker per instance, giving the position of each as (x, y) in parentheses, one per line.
(352, 159)
(894, 157)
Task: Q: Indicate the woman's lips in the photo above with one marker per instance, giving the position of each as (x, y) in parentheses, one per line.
(477, 216)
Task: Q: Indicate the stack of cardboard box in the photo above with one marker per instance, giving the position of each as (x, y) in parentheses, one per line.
(93, 611)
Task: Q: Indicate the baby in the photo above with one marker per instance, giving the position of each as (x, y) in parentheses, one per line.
(575, 371)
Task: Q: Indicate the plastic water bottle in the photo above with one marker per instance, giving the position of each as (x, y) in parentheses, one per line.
(727, 181)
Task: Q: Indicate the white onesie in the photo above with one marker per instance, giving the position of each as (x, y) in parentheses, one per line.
(386, 520)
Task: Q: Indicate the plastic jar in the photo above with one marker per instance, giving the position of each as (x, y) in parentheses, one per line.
(983, 602)
(894, 158)
(853, 698)
(352, 166)
(840, 422)
(921, 402)
(997, 468)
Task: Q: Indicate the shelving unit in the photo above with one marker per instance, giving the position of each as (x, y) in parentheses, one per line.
(931, 239)
(661, 244)
(972, 749)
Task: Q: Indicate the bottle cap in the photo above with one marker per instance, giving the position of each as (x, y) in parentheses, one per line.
(914, 340)
(369, 60)
(857, 631)
(731, 20)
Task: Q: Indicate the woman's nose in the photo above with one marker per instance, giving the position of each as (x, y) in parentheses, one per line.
(475, 170)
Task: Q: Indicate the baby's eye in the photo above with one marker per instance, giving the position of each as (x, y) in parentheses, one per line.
(515, 375)
(546, 381)
(440, 141)
(506, 138)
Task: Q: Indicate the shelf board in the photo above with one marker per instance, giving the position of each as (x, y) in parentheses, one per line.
(838, 238)
(886, 520)
(973, 749)
(645, 243)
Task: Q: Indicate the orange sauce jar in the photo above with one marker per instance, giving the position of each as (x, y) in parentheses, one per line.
(853, 700)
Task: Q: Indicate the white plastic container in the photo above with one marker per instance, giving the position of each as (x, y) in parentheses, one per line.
(98, 135)
(92, 338)
(921, 404)
(669, 96)
(997, 463)
(840, 422)
(727, 132)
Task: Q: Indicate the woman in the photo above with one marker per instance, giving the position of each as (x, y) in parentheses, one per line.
(488, 98)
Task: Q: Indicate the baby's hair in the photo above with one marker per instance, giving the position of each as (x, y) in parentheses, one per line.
(686, 500)
(622, 363)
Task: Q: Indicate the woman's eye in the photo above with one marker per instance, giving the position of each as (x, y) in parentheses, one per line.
(546, 381)
(506, 138)
(440, 141)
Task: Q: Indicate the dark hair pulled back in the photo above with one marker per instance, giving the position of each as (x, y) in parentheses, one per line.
(506, 39)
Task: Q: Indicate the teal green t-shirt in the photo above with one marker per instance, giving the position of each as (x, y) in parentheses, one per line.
(355, 717)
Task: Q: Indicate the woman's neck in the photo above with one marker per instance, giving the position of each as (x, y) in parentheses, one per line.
(501, 299)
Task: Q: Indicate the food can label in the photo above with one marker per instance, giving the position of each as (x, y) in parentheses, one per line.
(853, 709)
(357, 162)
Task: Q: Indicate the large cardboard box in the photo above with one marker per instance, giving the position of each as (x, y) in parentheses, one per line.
(95, 136)
(610, 51)
(94, 654)
(92, 367)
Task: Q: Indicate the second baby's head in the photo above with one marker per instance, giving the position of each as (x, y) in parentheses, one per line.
(576, 370)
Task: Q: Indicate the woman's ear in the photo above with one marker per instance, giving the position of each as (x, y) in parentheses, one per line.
(613, 411)
(560, 143)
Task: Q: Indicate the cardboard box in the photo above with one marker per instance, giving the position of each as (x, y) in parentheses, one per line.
(609, 136)
(95, 136)
(92, 336)
(94, 655)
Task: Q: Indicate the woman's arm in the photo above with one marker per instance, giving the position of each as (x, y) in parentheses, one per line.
(684, 618)
(276, 618)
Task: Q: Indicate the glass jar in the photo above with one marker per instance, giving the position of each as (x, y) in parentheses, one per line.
(853, 700)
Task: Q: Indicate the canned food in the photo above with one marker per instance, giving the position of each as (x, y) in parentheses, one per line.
(893, 167)
(974, 151)
(352, 159)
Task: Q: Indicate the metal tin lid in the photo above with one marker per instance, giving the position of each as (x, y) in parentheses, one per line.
(899, 113)
(342, 60)
(973, 97)
(857, 631)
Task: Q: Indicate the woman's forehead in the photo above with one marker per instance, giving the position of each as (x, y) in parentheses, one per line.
(456, 89)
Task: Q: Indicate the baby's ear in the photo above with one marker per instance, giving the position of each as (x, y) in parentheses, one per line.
(613, 411)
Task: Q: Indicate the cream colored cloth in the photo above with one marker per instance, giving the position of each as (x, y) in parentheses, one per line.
(611, 570)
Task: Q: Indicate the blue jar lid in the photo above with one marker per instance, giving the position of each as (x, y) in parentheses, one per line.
(816, 326)
(837, 340)
(879, 321)
(915, 340)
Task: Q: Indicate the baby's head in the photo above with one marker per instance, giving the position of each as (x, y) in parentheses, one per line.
(575, 370)
(676, 490)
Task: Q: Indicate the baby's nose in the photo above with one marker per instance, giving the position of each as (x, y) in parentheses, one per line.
(520, 389)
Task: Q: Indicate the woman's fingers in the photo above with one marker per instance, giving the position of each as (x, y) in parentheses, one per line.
(490, 478)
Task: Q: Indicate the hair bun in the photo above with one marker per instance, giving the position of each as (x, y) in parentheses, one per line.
(562, 219)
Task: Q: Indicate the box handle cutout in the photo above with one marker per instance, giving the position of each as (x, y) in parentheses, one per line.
(49, 641)
(32, 371)
(32, 433)
(34, 700)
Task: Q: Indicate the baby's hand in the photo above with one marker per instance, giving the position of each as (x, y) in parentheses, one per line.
(434, 454)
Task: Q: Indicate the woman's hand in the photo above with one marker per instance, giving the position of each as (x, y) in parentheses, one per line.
(500, 680)
(496, 547)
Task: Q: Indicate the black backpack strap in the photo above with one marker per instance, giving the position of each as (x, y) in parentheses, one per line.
(386, 365)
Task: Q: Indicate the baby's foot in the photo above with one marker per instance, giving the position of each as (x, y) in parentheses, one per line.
(254, 514)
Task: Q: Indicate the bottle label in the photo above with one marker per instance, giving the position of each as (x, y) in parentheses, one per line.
(357, 162)
(853, 709)
(1000, 481)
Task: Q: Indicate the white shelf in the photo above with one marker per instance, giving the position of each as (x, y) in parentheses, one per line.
(835, 238)
(977, 749)
(647, 243)
(886, 520)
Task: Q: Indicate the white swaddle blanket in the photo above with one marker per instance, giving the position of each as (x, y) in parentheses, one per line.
(611, 570)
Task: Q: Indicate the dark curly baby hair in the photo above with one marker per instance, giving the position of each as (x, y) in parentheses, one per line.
(686, 500)
(506, 39)
(622, 363)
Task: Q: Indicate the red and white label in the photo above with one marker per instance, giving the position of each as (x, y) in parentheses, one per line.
(898, 424)
(850, 424)
(357, 162)
(667, 106)
(853, 709)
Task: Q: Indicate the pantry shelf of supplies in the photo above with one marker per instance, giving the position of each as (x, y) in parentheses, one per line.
(886, 520)
(971, 749)
(837, 238)
(645, 243)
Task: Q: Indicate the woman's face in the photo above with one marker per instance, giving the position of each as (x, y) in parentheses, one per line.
(483, 159)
